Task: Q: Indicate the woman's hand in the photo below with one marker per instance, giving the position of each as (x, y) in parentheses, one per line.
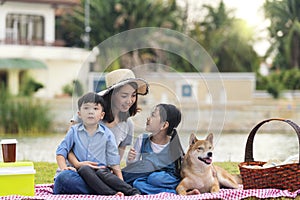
(73, 160)
(93, 165)
(70, 168)
(131, 154)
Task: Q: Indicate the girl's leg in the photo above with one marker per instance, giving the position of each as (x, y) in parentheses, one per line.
(163, 179)
(70, 182)
(157, 182)
(90, 177)
(115, 182)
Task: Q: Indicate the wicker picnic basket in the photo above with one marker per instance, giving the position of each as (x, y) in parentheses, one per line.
(285, 177)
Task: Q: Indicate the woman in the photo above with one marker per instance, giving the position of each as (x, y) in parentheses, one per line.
(121, 97)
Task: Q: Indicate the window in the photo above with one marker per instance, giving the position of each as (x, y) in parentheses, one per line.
(186, 90)
(96, 82)
(24, 29)
(99, 85)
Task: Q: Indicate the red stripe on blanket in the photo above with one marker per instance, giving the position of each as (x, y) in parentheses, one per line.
(45, 192)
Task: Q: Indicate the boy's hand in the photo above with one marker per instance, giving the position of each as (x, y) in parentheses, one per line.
(131, 154)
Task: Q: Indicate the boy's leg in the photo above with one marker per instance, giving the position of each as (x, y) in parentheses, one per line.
(70, 182)
(90, 177)
(145, 188)
(115, 182)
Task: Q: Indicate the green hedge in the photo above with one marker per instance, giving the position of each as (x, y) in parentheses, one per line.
(23, 114)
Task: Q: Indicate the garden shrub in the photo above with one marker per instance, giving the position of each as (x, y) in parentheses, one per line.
(23, 114)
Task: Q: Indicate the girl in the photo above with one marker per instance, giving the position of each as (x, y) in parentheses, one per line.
(158, 155)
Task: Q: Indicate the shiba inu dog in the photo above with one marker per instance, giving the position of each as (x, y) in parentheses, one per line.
(198, 173)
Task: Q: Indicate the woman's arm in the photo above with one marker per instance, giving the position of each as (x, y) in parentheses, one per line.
(121, 151)
(74, 161)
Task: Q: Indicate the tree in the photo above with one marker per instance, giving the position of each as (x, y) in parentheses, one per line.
(284, 31)
(228, 40)
(115, 16)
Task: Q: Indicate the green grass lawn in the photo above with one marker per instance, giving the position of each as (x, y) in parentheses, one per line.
(45, 172)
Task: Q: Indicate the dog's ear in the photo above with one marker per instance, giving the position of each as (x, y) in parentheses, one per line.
(210, 138)
(193, 139)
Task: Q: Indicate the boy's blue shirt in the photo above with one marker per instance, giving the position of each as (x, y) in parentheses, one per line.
(100, 148)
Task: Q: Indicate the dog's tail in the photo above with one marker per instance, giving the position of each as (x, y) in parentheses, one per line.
(226, 179)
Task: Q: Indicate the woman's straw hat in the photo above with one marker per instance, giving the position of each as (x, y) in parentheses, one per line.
(121, 77)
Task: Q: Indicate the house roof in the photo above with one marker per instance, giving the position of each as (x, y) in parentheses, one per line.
(55, 2)
(21, 63)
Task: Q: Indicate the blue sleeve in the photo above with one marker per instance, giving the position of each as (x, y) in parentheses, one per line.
(66, 145)
(112, 153)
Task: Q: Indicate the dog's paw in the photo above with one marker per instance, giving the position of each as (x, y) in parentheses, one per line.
(193, 192)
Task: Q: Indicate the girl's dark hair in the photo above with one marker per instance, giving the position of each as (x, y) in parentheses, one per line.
(123, 116)
(172, 115)
(91, 97)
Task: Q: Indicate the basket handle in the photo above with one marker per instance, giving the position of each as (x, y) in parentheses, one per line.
(249, 144)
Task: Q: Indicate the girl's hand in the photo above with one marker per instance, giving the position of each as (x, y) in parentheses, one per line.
(131, 154)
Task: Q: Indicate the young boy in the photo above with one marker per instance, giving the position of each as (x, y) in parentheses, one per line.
(93, 142)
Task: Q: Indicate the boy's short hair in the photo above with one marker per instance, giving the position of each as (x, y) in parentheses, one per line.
(91, 97)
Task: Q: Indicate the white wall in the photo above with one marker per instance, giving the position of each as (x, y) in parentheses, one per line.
(44, 10)
(63, 65)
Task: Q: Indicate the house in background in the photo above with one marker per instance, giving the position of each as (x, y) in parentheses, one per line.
(28, 45)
